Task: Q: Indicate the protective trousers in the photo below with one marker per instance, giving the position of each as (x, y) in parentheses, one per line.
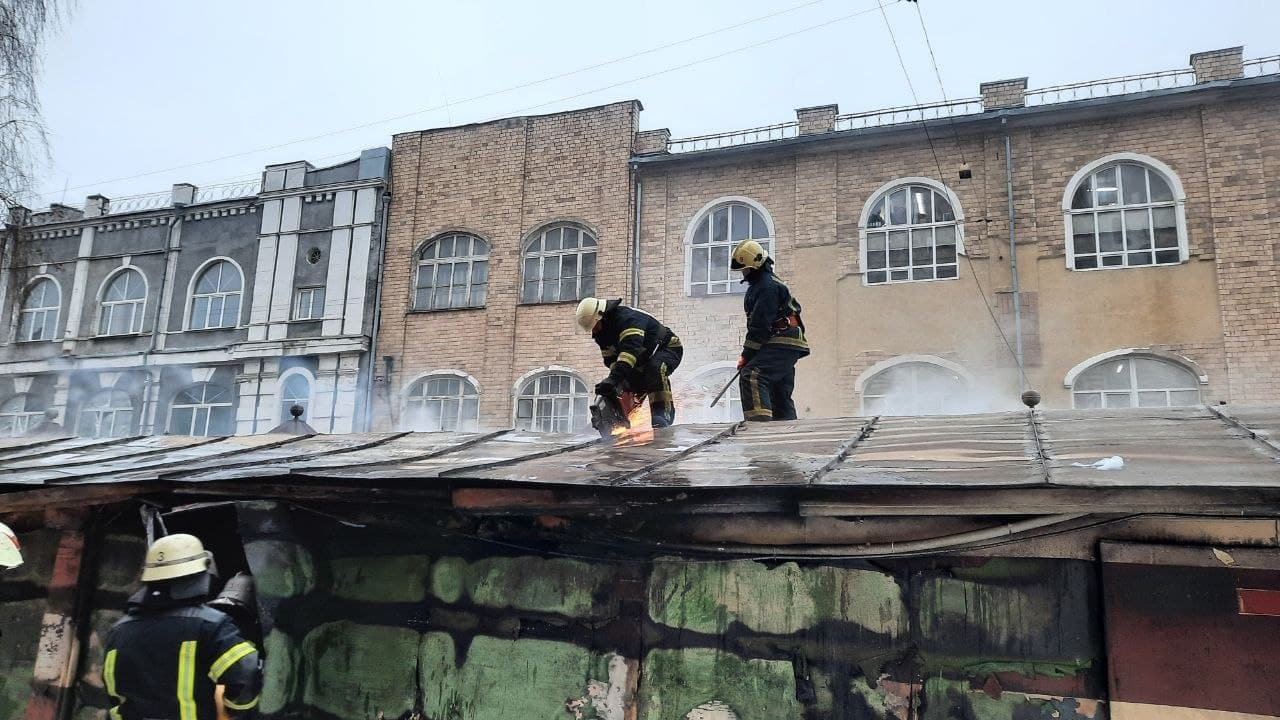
(767, 382)
(653, 378)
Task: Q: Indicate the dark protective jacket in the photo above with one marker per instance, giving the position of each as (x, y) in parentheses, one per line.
(628, 338)
(164, 659)
(773, 315)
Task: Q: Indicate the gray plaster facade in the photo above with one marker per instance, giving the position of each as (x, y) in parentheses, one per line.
(198, 315)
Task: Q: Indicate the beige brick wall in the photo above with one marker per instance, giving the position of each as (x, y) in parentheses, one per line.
(502, 181)
(1221, 309)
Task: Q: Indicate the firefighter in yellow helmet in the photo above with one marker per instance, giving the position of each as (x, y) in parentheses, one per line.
(167, 655)
(775, 337)
(640, 352)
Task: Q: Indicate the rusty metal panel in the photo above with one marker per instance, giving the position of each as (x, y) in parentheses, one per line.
(969, 450)
(504, 448)
(18, 453)
(782, 453)
(90, 461)
(1160, 447)
(602, 463)
(1177, 639)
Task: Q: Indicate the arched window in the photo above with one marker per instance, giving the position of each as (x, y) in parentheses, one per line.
(442, 403)
(16, 418)
(552, 402)
(295, 390)
(705, 385)
(40, 308)
(453, 272)
(107, 414)
(1124, 213)
(202, 409)
(1135, 381)
(912, 230)
(123, 300)
(915, 388)
(215, 297)
(714, 233)
(559, 265)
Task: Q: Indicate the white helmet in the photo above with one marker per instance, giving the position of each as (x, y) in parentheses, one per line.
(10, 550)
(175, 556)
(589, 312)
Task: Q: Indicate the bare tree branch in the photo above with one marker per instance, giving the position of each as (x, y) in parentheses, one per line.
(24, 146)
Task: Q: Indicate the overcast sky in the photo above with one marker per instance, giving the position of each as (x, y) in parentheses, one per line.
(140, 94)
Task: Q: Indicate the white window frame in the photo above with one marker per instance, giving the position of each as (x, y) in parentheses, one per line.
(1191, 366)
(1133, 390)
(205, 405)
(20, 421)
(883, 192)
(770, 243)
(531, 378)
(107, 307)
(469, 390)
(106, 410)
(543, 255)
(859, 385)
(704, 383)
(468, 260)
(43, 310)
(1179, 205)
(285, 403)
(192, 295)
(309, 291)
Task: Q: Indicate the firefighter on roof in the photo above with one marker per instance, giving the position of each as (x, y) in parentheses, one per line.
(775, 338)
(166, 657)
(640, 352)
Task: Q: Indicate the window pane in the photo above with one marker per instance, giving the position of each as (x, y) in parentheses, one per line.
(480, 271)
(942, 211)
(876, 277)
(1082, 234)
(1133, 181)
(876, 218)
(1140, 258)
(1166, 227)
(1160, 191)
(921, 212)
(898, 256)
(719, 269)
(446, 246)
(231, 311)
(1110, 236)
(945, 242)
(200, 313)
(1087, 262)
(208, 281)
(920, 273)
(1118, 400)
(1137, 227)
(922, 247)
(1112, 260)
(898, 207)
(759, 228)
(551, 269)
(739, 223)
(698, 270)
(700, 233)
(1157, 374)
(569, 266)
(570, 239)
(1116, 375)
(589, 269)
(1086, 401)
(1152, 399)
(1184, 397)
(877, 260)
(946, 271)
(1168, 257)
(720, 225)
(530, 292)
(180, 421)
(1106, 192)
(1083, 197)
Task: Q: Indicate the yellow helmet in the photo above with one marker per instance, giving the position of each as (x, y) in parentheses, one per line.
(748, 254)
(589, 311)
(175, 556)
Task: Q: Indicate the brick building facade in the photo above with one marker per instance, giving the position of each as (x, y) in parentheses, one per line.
(1146, 249)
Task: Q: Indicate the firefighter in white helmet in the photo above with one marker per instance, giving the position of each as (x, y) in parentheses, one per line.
(640, 352)
(775, 337)
(166, 657)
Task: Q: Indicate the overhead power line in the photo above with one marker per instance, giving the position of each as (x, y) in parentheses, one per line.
(512, 88)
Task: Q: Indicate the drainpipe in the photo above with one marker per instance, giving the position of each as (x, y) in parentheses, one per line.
(163, 310)
(635, 238)
(377, 317)
(1013, 259)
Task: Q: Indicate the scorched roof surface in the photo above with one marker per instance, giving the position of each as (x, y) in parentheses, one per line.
(1181, 447)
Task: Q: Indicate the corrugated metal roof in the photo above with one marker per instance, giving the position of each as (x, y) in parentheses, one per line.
(1179, 447)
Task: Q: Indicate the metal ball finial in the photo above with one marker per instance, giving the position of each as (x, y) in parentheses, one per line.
(1031, 398)
(296, 411)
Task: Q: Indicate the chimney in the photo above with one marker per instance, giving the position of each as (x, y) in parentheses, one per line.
(64, 213)
(652, 142)
(1000, 94)
(1225, 64)
(19, 216)
(96, 206)
(817, 119)
(184, 194)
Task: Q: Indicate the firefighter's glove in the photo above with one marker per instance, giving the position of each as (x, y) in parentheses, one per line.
(607, 388)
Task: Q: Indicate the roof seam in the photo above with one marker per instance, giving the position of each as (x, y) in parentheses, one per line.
(453, 472)
(1042, 455)
(286, 462)
(843, 452)
(1254, 434)
(647, 470)
(413, 458)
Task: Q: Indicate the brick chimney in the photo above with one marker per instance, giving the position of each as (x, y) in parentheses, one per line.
(19, 216)
(817, 119)
(999, 94)
(96, 206)
(1224, 64)
(651, 142)
(62, 213)
(183, 194)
